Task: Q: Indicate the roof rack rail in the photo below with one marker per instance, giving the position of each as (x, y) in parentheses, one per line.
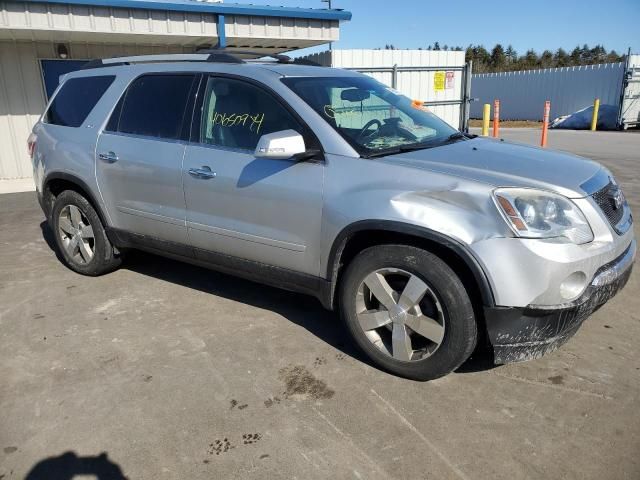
(205, 55)
(242, 54)
(305, 61)
(256, 55)
(217, 57)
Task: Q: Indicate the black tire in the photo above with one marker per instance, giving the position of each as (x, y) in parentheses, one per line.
(460, 329)
(104, 259)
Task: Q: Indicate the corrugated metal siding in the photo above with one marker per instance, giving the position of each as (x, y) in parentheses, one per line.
(402, 58)
(21, 103)
(22, 98)
(280, 29)
(38, 21)
(522, 94)
(37, 18)
(631, 103)
(416, 85)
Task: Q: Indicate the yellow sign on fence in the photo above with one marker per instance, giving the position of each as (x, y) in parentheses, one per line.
(438, 81)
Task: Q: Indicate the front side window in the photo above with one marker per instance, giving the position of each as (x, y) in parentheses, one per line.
(372, 117)
(75, 100)
(235, 114)
(153, 106)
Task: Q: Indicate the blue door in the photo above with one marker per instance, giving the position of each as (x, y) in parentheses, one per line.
(52, 69)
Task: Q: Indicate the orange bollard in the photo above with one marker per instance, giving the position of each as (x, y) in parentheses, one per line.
(545, 123)
(496, 118)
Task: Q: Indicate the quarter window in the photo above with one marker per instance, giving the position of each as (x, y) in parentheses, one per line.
(153, 106)
(75, 100)
(236, 114)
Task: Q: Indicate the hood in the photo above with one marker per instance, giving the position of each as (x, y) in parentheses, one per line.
(505, 164)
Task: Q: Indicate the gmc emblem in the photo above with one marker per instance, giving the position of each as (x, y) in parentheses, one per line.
(616, 197)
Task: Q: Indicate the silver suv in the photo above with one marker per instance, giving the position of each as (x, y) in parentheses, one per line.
(429, 242)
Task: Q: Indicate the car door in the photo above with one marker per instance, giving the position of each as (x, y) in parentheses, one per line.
(140, 154)
(258, 209)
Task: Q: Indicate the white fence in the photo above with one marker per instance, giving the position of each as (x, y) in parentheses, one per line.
(440, 79)
(522, 94)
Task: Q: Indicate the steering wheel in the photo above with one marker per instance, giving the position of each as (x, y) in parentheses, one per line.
(368, 125)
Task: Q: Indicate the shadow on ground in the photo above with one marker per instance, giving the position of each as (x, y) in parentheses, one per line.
(69, 465)
(302, 310)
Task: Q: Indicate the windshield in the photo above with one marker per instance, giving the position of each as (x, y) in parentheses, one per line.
(372, 117)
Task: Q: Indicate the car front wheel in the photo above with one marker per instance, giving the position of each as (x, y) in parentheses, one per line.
(408, 311)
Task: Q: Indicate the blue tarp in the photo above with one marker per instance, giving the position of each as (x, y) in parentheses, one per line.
(581, 120)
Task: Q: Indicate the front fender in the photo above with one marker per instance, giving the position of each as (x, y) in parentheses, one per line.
(443, 241)
(378, 195)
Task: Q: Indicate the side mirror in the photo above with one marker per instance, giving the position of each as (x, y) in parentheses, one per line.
(280, 145)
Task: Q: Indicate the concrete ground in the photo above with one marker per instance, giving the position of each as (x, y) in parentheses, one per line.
(167, 371)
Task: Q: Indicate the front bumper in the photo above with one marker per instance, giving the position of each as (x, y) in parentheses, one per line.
(519, 334)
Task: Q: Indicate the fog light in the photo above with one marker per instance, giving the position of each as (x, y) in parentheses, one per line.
(573, 285)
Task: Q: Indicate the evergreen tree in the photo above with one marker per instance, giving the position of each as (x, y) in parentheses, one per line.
(511, 54)
(481, 54)
(530, 60)
(576, 56)
(468, 54)
(585, 55)
(613, 57)
(498, 58)
(546, 59)
(598, 54)
(561, 59)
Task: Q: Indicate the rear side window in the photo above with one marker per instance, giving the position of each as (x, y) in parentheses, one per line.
(153, 106)
(75, 100)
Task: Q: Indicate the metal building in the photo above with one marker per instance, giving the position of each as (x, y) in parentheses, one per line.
(42, 39)
(440, 79)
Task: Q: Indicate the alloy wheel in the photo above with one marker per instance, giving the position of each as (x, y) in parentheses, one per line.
(76, 234)
(400, 314)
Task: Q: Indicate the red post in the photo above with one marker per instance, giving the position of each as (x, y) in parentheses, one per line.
(496, 118)
(545, 123)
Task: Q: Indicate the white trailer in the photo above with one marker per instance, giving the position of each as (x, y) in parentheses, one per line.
(630, 105)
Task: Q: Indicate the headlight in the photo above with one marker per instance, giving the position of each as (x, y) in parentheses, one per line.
(540, 214)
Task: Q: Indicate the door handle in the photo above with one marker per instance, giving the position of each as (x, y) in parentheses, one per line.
(204, 172)
(108, 157)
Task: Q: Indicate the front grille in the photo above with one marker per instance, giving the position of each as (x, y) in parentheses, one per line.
(605, 201)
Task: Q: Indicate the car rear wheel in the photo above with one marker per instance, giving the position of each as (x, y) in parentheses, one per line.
(80, 236)
(408, 311)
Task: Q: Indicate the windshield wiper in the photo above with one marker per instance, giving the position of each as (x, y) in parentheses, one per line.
(453, 137)
(416, 146)
(401, 149)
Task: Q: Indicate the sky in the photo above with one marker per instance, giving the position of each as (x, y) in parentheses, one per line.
(538, 24)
